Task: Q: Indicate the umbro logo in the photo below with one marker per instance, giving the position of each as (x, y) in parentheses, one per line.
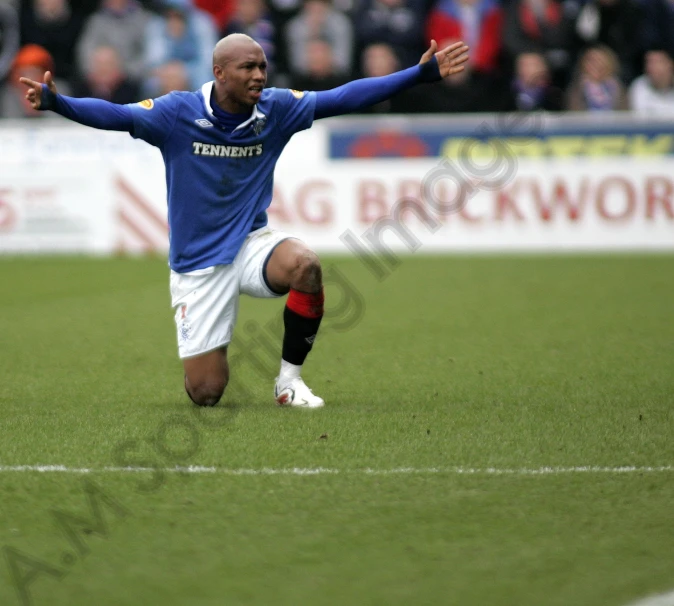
(204, 123)
(310, 339)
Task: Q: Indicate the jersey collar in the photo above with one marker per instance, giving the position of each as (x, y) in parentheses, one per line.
(206, 90)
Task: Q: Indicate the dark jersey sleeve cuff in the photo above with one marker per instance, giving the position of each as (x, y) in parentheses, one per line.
(430, 71)
(47, 99)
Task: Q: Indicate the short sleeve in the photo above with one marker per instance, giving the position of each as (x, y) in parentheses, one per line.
(154, 119)
(297, 108)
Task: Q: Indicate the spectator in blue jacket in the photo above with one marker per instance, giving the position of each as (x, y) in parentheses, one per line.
(181, 33)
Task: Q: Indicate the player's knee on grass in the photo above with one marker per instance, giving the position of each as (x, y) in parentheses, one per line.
(306, 274)
(206, 393)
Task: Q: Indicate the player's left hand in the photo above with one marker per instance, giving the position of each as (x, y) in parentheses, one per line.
(450, 59)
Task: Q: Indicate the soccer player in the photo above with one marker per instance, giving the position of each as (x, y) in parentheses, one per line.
(220, 145)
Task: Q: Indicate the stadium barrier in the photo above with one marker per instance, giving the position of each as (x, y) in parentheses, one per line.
(478, 183)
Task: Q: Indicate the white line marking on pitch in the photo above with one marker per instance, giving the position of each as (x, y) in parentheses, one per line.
(663, 599)
(302, 471)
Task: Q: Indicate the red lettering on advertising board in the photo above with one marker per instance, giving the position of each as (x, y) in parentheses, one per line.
(313, 205)
(560, 197)
(506, 203)
(409, 190)
(7, 212)
(278, 208)
(372, 201)
(409, 198)
(659, 192)
(616, 187)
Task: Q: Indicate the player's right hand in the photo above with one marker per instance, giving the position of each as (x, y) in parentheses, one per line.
(34, 93)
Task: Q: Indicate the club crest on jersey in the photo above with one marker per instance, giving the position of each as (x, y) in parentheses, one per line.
(298, 94)
(258, 125)
(204, 123)
(147, 104)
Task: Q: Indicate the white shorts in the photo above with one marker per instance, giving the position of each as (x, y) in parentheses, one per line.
(206, 301)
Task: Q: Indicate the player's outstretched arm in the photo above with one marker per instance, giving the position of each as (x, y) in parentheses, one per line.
(359, 94)
(90, 112)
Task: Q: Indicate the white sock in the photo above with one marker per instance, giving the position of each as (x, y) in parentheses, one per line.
(289, 371)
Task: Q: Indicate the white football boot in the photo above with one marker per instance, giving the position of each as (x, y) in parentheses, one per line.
(294, 392)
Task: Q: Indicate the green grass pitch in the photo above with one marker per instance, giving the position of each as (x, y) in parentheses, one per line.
(447, 364)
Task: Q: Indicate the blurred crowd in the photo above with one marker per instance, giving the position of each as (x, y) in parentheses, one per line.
(576, 55)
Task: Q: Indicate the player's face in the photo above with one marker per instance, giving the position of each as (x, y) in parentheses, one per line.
(245, 77)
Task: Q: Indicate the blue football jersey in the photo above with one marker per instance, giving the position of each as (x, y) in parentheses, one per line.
(219, 183)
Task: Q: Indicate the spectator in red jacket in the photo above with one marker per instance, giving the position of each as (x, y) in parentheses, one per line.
(477, 22)
(222, 11)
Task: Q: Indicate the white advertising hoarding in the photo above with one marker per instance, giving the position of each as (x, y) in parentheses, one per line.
(46, 208)
(601, 204)
(74, 189)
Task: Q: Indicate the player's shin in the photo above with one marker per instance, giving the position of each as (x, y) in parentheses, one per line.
(301, 317)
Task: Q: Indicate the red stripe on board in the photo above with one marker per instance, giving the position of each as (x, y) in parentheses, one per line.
(126, 220)
(142, 205)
